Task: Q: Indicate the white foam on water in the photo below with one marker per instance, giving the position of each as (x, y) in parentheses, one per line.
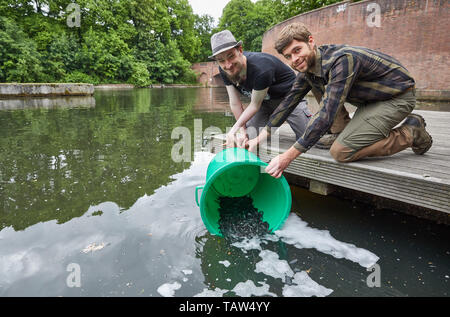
(296, 232)
(271, 265)
(94, 247)
(302, 284)
(186, 272)
(225, 262)
(254, 243)
(168, 289)
(248, 288)
(305, 287)
(248, 244)
(202, 158)
(217, 292)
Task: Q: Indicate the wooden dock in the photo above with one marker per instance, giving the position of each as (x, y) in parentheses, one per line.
(418, 180)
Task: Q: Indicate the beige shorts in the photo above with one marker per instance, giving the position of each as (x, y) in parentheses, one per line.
(374, 121)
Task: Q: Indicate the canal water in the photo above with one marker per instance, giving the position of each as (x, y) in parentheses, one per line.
(93, 203)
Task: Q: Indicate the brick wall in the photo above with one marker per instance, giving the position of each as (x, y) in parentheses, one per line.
(416, 32)
(208, 74)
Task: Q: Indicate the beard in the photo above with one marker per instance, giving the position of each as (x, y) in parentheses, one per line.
(310, 60)
(238, 77)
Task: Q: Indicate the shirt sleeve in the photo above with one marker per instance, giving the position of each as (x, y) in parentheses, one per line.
(298, 91)
(342, 76)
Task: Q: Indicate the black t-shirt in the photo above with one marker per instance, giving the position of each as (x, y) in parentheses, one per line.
(264, 70)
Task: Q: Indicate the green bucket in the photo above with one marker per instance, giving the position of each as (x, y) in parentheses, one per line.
(236, 172)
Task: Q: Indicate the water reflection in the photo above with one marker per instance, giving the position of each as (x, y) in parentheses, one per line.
(78, 177)
(55, 163)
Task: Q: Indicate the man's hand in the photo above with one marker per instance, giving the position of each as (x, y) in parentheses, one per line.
(252, 145)
(280, 162)
(239, 139)
(230, 140)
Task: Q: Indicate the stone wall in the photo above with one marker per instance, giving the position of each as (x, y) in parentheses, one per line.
(45, 90)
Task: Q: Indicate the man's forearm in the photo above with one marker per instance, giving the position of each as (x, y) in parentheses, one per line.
(246, 115)
(252, 108)
(237, 110)
(292, 153)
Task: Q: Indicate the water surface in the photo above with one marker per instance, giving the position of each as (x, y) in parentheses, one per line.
(93, 184)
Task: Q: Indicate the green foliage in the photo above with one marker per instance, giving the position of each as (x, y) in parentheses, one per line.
(291, 8)
(249, 20)
(19, 59)
(125, 41)
(140, 76)
(204, 29)
(118, 41)
(80, 77)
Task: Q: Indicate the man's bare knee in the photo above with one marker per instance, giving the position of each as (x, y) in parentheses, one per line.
(340, 152)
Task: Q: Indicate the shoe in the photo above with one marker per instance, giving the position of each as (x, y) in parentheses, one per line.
(422, 139)
(326, 141)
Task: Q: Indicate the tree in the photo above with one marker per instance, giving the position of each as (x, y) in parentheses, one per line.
(116, 38)
(248, 21)
(290, 8)
(19, 59)
(235, 17)
(182, 21)
(204, 30)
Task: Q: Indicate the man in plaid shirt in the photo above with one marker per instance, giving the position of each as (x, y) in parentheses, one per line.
(378, 85)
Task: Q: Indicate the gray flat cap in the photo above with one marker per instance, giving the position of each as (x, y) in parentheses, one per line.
(222, 41)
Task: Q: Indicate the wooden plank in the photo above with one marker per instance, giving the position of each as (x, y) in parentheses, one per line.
(412, 163)
(404, 189)
(361, 165)
(406, 161)
(418, 180)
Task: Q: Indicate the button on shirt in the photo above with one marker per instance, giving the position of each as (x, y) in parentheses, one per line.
(341, 73)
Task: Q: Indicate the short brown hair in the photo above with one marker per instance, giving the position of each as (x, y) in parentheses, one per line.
(295, 31)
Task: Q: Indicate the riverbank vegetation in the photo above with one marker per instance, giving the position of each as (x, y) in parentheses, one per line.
(140, 42)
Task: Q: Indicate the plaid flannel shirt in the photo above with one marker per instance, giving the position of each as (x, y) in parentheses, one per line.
(341, 73)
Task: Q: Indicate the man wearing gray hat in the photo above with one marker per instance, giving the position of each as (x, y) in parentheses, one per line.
(260, 76)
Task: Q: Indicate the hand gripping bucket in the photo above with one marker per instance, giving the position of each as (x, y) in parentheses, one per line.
(236, 172)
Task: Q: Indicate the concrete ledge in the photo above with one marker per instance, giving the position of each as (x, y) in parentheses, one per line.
(114, 86)
(16, 103)
(45, 90)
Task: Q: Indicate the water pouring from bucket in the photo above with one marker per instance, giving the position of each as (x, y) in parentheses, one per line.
(236, 172)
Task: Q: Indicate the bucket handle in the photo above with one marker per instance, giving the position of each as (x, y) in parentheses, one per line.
(196, 193)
